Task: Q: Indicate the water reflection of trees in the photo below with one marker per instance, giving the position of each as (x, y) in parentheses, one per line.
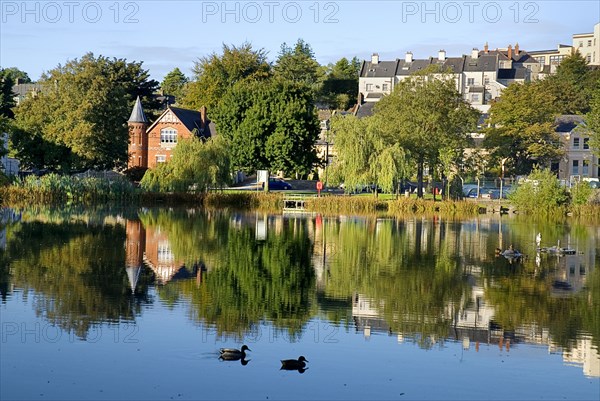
(248, 281)
(419, 275)
(78, 272)
(407, 270)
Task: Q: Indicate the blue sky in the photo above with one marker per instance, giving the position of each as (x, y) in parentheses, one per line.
(36, 36)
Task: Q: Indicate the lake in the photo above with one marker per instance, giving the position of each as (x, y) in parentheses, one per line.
(128, 303)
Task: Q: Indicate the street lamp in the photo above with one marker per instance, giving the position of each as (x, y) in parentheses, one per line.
(502, 162)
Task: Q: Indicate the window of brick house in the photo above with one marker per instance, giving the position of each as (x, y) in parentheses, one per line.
(168, 136)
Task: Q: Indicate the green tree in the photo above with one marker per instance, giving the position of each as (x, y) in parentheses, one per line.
(7, 101)
(340, 88)
(270, 124)
(14, 73)
(298, 64)
(215, 75)
(423, 115)
(570, 86)
(81, 114)
(174, 84)
(6, 104)
(522, 128)
(592, 121)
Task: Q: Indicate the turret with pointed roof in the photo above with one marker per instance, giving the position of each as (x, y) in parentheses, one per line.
(138, 137)
(137, 114)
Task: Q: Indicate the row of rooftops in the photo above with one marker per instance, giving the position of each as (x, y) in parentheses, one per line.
(477, 61)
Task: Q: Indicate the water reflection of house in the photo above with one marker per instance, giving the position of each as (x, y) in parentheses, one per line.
(571, 271)
(367, 317)
(151, 246)
(135, 244)
(584, 355)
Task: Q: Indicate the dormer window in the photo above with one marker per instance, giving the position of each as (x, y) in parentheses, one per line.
(168, 136)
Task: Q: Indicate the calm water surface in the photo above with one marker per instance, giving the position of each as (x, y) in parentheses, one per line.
(135, 304)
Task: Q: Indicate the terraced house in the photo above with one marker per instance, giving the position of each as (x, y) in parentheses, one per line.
(480, 76)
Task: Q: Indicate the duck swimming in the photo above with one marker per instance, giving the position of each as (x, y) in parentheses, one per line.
(233, 354)
(294, 364)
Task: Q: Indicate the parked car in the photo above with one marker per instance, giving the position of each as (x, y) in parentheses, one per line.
(468, 190)
(593, 182)
(408, 186)
(278, 184)
(495, 193)
(360, 188)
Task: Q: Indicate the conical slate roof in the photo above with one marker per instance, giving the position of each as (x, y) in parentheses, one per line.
(137, 114)
(133, 274)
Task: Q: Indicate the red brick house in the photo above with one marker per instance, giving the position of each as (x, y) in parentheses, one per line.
(150, 144)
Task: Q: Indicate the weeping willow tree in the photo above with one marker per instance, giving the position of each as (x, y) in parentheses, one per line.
(423, 115)
(197, 165)
(365, 155)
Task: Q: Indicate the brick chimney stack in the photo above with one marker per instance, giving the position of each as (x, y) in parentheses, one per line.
(203, 119)
(510, 53)
(486, 48)
(517, 49)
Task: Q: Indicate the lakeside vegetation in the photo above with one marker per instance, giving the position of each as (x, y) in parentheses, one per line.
(546, 199)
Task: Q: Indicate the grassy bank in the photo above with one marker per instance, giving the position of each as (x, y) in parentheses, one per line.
(61, 190)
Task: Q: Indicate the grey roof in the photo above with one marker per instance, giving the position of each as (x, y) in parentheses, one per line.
(383, 69)
(512, 73)
(567, 122)
(192, 120)
(476, 89)
(536, 52)
(137, 114)
(484, 62)
(405, 68)
(22, 90)
(454, 64)
(373, 95)
(365, 110)
(526, 58)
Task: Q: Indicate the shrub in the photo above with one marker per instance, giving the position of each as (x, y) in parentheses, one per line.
(541, 193)
(581, 193)
(136, 173)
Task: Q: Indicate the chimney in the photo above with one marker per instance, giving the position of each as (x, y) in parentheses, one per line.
(510, 53)
(203, 120)
(409, 57)
(486, 48)
(442, 55)
(517, 49)
(375, 58)
(475, 53)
